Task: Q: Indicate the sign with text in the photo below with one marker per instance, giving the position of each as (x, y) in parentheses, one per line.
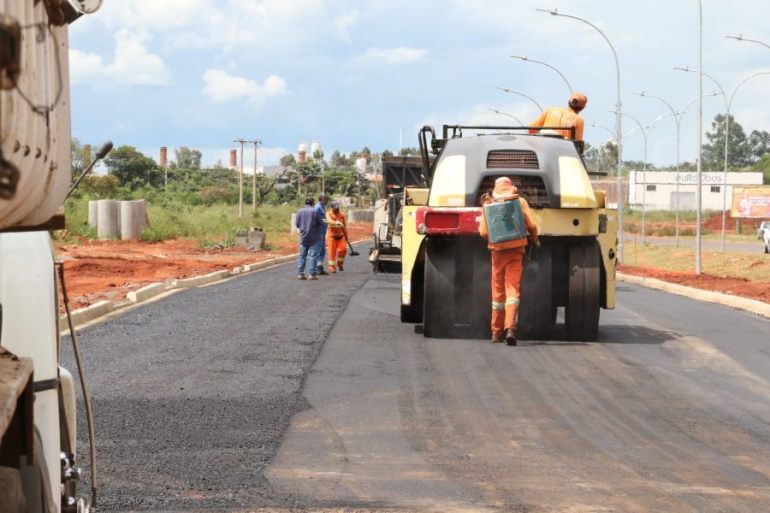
(751, 202)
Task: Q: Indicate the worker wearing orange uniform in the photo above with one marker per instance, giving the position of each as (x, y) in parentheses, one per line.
(336, 238)
(507, 264)
(565, 116)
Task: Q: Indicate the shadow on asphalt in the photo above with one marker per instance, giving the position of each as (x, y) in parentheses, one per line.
(629, 334)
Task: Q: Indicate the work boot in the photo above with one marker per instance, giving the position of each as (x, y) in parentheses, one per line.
(498, 337)
(510, 337)
(322, 272)
(301, 277)
(340, 267)
(313, 277)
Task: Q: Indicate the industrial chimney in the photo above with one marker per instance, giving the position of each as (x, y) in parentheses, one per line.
(233, 159)
(163, 160)
(86, 155)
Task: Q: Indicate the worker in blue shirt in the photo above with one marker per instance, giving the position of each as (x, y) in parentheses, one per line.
(320, 207)
(309, 225)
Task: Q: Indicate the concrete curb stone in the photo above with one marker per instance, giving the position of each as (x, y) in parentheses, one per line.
(204, 279)
(742, 303)
(146, 292)
(84, 315)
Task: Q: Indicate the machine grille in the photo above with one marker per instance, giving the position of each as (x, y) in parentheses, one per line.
(512, 159)
(531, 188)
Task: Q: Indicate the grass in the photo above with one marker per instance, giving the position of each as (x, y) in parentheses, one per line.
(752, 267)
(211, 226)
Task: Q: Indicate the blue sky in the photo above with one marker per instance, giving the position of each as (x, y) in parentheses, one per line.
(201, 73)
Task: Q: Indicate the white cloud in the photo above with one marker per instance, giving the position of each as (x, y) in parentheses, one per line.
(342, 26)
(398, 55)
(132, 64)
(223, 87)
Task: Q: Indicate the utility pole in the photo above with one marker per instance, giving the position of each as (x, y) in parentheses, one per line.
(240, 181)
(256, 143)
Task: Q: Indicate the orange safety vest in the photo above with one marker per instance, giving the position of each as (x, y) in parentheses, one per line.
(529, 220)
(561, 116)
(336, 232)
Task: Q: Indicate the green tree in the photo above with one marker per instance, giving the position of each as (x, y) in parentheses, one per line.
(763, 165)
(76, 155)
(187, 158)
(759, 144)
(288, 160)
(739, 154)
(339, 160)
(409, 152)
(132, 168)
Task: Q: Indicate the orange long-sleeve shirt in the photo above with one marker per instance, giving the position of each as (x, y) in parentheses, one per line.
(561, 116)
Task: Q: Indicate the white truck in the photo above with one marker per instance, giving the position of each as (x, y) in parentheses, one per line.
(37, 396)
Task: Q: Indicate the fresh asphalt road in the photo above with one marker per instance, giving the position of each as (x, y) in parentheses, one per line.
(221, 397)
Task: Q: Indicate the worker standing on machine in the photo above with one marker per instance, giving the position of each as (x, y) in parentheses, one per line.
(336, 237)
(507, 224)
(568, 117)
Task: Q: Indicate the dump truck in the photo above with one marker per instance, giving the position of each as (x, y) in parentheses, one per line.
(398, 173)
(446, 269)
(38, 471)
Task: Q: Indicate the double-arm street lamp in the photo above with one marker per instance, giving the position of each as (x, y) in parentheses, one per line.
(511, 91)
(527, 59)
(618, 109)
(728, 106)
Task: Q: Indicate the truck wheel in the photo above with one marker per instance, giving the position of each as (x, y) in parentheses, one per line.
(537, 311)
(582, 311)
(438, 292)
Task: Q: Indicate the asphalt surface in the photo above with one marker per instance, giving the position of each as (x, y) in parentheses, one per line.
(193, 393)
(221, 398)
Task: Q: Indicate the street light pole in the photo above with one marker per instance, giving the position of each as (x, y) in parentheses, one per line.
(677, 120)
(618, 131)
(511, 91)
(240, 181)
(256, 143)
(699, 192)
(527, 59)
(644, 169)
(506, 114)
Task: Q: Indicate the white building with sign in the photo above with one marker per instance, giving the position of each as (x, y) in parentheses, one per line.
(658, 189)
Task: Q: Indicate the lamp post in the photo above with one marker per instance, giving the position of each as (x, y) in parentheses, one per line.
(256, 142)
(618, 109)
(511, 91)
(728, 107)
(506, 114)
(741, 38)
(527, 59)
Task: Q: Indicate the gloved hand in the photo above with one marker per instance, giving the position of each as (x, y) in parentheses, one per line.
(338, 224)
(536, 243)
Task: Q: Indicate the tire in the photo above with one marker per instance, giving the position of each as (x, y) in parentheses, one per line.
(583, 302)
(439, 291)
(537, 313)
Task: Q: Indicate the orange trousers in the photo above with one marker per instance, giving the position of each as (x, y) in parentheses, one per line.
(336, 250)
(506, 278)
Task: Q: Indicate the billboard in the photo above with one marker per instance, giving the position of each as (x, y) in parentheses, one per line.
(751, 202)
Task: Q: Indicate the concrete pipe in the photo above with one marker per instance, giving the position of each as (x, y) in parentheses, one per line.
(93, 216)
(108, 226)
(133, 219)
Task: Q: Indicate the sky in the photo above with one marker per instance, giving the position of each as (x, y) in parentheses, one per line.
(349, 74)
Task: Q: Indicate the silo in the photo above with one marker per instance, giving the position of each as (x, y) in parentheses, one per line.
(361, 164)
(302, 152)
(314, 147)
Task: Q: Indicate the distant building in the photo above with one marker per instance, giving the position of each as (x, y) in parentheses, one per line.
(658, 189)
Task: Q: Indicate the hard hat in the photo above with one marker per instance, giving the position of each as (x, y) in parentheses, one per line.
(577, 101)
(335, 205)
(504, 188)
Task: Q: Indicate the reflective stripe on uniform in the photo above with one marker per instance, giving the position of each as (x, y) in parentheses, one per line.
(512, 301)
(498, 306)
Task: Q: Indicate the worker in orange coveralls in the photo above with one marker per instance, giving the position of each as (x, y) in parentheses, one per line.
(336, 238)
(566, 117)
(507, 264)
